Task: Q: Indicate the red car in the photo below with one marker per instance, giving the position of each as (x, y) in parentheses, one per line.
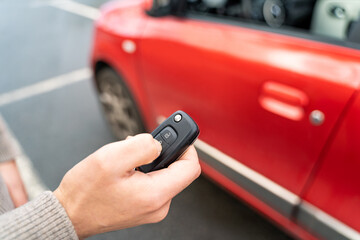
(272, 84)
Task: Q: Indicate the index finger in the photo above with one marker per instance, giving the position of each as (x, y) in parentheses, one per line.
(180, 174)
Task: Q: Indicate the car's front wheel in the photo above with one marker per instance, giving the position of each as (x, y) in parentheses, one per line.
(118, 104)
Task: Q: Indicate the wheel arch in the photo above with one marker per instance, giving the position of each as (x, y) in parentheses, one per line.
(134, 87)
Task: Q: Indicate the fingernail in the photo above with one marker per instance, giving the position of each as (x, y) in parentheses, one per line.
(158, 145)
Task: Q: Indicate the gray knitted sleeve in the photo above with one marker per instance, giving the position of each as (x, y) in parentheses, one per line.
(42, 218)
(8, 150)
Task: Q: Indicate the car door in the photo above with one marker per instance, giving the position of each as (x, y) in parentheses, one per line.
(265, 98)
(331, 200)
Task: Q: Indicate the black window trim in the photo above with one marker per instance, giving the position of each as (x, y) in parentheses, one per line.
(299, 33)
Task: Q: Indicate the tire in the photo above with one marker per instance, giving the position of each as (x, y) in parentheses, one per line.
(118, 104)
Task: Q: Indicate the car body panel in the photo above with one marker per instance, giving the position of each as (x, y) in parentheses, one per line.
(218, 73)
(335, 187)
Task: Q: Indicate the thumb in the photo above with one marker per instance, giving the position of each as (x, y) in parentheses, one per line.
(133, 152)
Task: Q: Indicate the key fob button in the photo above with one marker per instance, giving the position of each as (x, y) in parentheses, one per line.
(164, 145)
(169, 135)
(175, 134)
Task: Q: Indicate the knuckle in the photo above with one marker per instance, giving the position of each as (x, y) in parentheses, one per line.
(100, 154)
(148, 144)
(99, 159)
(146, 138)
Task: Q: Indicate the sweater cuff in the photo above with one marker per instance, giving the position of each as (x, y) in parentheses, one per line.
(42, 218)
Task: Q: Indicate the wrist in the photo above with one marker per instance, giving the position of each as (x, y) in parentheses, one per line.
(58, 193)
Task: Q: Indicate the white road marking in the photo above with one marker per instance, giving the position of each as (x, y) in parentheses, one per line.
(32, 182)
(45, 86)
(76, 8)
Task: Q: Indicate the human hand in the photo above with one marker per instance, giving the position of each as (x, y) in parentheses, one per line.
(104, 193)
(13, 181)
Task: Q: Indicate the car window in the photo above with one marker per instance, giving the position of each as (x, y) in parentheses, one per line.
(332, 19)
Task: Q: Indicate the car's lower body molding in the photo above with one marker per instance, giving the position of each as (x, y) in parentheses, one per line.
(320, 223)
(263, 188)
(285, 202)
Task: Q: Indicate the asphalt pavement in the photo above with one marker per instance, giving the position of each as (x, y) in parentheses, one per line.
(59, 127)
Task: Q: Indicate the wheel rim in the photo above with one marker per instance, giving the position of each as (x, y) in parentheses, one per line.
(119, 108)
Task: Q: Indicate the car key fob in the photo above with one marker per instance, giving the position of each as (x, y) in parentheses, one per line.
(175, 134)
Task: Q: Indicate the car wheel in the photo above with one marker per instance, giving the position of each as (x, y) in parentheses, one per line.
(118, 104)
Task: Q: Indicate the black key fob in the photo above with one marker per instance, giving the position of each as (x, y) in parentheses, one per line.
(175, 134)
